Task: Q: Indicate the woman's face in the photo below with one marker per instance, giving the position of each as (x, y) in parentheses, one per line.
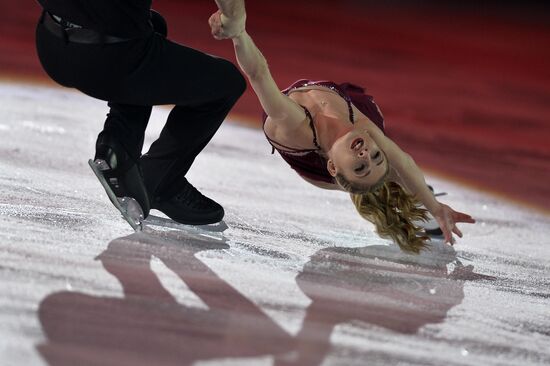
(358, 158)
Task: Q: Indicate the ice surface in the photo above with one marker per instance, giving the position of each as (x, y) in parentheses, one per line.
(297, 278)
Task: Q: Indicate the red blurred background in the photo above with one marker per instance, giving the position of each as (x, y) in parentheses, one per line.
(465, 89)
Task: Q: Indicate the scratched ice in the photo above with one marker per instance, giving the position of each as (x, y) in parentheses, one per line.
(296, 270)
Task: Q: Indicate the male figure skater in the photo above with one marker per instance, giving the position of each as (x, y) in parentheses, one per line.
(117, 51)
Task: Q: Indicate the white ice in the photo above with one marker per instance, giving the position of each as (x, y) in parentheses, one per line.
(55, 219)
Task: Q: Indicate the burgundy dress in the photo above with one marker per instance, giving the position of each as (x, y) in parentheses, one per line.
(307, 162)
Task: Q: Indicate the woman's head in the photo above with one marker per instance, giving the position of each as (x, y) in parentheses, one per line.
(357, 162)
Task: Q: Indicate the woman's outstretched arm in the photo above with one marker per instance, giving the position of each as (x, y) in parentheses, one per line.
(277, 106)
(411, 176)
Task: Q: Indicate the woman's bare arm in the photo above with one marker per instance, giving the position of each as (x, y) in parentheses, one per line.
(231, 8)
(413, 179)
(405, 167)
(280, 108)
(233, 17)
(276, 105)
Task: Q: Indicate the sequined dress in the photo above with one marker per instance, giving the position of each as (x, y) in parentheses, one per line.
(308, 163)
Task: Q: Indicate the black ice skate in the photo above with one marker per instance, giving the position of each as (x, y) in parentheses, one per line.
(122, 180)
(190, 207)
(431, 227)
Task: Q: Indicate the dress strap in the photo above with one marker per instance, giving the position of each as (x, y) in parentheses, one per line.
(350, 110)
(312, 126)
(291, 150)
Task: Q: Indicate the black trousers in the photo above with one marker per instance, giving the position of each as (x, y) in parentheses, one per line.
(133, 76)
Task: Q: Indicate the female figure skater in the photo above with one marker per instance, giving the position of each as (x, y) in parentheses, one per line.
(332, 135)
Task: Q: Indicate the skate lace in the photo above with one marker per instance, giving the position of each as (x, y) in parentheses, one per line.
(191, 197)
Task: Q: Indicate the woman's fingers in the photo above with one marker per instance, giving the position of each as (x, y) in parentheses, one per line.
(448, 236)
(462, 217)
(223, 27)
(215, 23)
(448, 218)
(457, 231)
(446, 228)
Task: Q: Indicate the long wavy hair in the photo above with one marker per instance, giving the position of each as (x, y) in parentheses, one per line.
(391, 210)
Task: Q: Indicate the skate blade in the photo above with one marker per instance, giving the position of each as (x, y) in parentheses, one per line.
(129, 208)
(153, 220)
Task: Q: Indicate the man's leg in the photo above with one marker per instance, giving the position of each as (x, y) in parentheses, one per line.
(122, 140)
(128, 123)
(116, 161)
(203, 88)
(187, 131)
(155, 71)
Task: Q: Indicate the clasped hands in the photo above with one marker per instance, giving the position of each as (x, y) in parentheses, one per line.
(223, 27)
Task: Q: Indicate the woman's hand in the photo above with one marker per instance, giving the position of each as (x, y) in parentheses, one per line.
(223, 27)
(447, 219)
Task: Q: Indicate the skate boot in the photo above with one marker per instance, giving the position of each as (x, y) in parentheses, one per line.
(190, 207)
(122, 180)
(431, 227)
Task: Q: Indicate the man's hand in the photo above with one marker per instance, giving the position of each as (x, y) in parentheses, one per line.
(223, 27)
(447, 219)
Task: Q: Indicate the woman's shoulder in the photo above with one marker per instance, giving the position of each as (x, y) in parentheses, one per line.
(298, 137)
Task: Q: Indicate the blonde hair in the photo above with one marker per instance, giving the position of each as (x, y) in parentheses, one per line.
(391, 210)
